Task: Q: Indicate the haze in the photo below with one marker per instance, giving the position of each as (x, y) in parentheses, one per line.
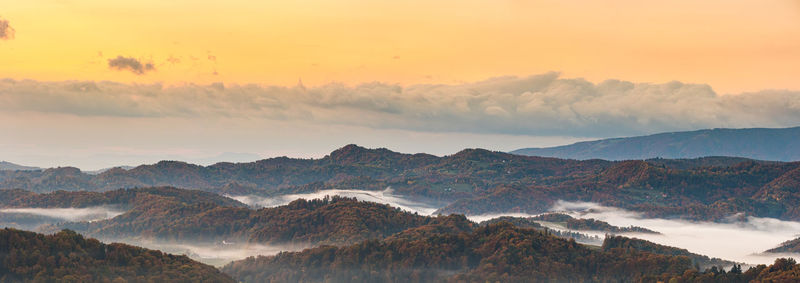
(242, 81)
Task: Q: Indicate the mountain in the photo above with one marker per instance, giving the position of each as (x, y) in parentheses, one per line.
(5, 165)
(755, 143)
(473, 181)
(68, 257)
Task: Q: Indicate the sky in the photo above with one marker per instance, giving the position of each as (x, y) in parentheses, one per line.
(95, 84)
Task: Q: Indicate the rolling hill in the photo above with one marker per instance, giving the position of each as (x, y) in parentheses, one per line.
(5, 165)
(69, 257)
(474, 181)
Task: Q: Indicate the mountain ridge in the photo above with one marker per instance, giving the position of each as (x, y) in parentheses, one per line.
(774, 144)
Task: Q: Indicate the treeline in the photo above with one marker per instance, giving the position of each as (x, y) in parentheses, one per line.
(530, 223)
(700, 262)
(782, 270)
(498, 252)
(330, 220)
(68, 257)
(122, 197)
(791, 246)
(589, 224)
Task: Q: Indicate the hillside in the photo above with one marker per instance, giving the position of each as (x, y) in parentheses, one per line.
(474, 181)
(624, 243)
(500, 252)
(69, 257)
(177, 215)
(755, 143)
(5, 165)
(586, 224)
(791, 246)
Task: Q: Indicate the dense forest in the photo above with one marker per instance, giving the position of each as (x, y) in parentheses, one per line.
(791, 246)
(176, 215)
(68, 257)
(360, 241)
(474, 181)
(498, 252)
(529, 223)
(702, 262)
(588, 224)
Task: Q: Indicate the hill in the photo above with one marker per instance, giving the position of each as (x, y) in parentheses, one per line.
(755, 143)
(5, 165)
(570, 222)
(619, 242)
(791, 246)
(178, 215)
(473, 181)
(499, 252)
(69, 257)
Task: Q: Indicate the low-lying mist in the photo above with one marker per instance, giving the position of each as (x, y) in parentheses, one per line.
(385, 197)
(736, 240)
(217, 254)
(740, 241)
(69, 214)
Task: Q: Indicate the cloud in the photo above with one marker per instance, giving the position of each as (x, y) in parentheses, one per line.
(130, 64)
(540, 105)
(6, 31)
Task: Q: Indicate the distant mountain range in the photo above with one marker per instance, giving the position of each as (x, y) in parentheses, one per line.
(474, 181)
(5, 165)
(755, 143)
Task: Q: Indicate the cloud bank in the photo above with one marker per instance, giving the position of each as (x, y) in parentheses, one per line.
(6, 31)
(740, 241)
(386, 196)
(130, 64)
(540, 105)
(70, 213)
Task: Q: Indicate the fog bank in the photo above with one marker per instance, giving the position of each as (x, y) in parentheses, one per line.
(740, 241)
(69, 214)
(385, 197)
(217, 254)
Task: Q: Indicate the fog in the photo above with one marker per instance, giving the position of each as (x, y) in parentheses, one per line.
(217, 254)
(740, 241)
(69, 214)
(385, 197)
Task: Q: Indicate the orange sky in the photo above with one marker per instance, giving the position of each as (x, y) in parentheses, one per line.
(732, 45)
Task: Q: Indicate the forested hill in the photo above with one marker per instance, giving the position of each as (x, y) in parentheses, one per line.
(171, 214)
(5, 165)
(756, 143)
(69, 257)
(122, 197)
(475, 181)
(792, 246)
(494, 253)
(499, 252)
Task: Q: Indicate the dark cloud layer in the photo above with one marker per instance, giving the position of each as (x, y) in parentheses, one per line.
(539, 105)
(6, 31)
(130, 64)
